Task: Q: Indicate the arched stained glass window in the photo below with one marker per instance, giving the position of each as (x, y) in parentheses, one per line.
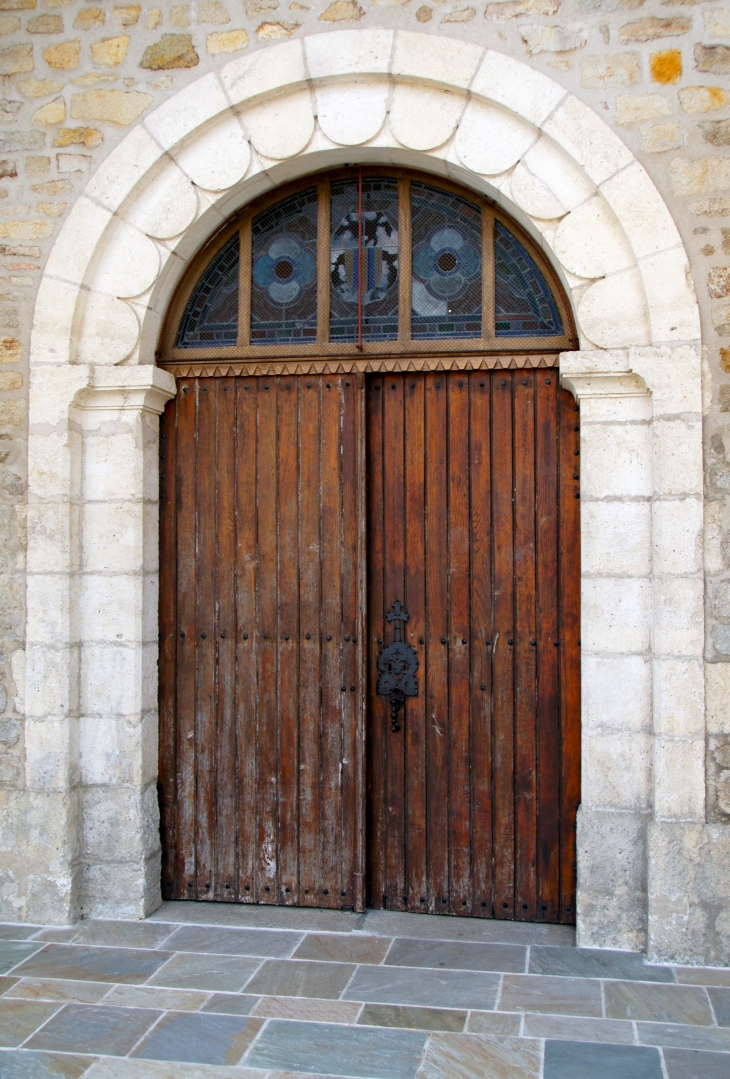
(524, 302)
(371, 261)
(211, 316)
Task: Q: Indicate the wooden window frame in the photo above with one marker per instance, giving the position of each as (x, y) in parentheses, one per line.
(243, 357)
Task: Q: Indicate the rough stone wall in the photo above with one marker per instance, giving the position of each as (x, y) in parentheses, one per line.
(77, 75)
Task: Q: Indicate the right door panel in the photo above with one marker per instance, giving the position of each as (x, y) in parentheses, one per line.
(473, 525)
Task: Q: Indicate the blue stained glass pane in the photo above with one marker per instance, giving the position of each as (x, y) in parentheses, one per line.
(284, 272)
(211, 316)
(446, 290)
(524, 303)
(379, 262)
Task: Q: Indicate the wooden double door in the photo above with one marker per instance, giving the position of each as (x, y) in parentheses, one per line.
(297, 511)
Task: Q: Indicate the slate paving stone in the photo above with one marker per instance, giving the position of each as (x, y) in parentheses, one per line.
(58, 989)
(426, 988)
(313, 1011)
(457, 955)
(334, 948)
(18, 932)
(23, 1064)
(595, 963)
(720, 999)
(7, 983)
(13, 952)
(575, 1029)
(93, 964)
(297, 978)
(552, 996)
(94, 1028)
(200, 1038)
(392, 1015)
(230, 1004)
(215, 972)
(584, 1060)
(691, 1064)
(261, 942)
(156, 997)
(19, 1018)
(702, 976)
(112, 934)
(681, 1036)
(496, 1024)
(328, 1048)
(465, 1056)
(244, 915)
(133, 1068)
(387, 923)
(657, 1003)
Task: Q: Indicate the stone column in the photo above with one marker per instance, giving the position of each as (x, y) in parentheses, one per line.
(91, 758)
(616, 636)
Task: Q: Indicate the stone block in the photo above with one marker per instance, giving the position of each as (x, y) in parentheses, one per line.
(77, 241)
(677, 457)
(658, 138)
(616, 771)
(51, 754)
(225, 41)
(167, 204)
(63, 57)
(89, 18)
(16, 59)
(718, 282)
(423, 118)
(679, 616)
(213, 12)
(51, 680)
(642, 212)
(170, 52)
(590, 242)
(517, 87)
(666, 67)
(613, 311)
(121, 890)
(110, 51)
(120, 171)
(611, 901)
(689, 884)
(342, 11)
(616, 693)
(616, 462)
(113, 607)
(616, 615)
(52, 113)
(672, 375)
(436, 59)
(714, 59)
(9, 24)
(186, 111)
(116, 536)
(281, 127)
(119, 107)
(346, 52)
(616, 538)
(110, 330)
(564, 185)
(128, 263)
(39, 87)
(678, 536)
(621, 69)
(113, 825)
(636, 108)
(564, 38)
(489, 142)
(217, 158)
(118, 679)
(702, 176)
(651, 28)
(118, 750)
(253, 76)
(703, 98)
(717, 697)
(679, 779)
(73, 162)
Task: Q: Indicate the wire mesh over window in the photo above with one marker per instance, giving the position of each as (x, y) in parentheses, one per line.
(211, 315)
(524, 303)
(284, 271)
(446, 290)
(378, 264)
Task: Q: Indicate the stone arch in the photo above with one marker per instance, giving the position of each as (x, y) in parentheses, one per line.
(508, 131)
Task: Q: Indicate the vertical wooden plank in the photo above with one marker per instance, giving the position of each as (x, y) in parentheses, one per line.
(309, 641)
(268, 626)
(525, 649)
(288, 639)
(459, 588)
(548, 643)
(350, 788)
(168, 646)
(332, 633)
(480, 636)
(225, 747)
(437, 658)
(205, 643)
(362, 646)
(415, 634)
(185, 673)
(394, 578)
(377, 706)
(246, 637)
(503, 645)
(569, 576)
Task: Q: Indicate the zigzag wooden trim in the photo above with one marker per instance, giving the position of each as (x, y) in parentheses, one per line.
(369, 365)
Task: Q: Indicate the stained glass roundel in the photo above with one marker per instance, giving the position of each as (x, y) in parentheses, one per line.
(284, 271)
(525, 306)
(211, 316)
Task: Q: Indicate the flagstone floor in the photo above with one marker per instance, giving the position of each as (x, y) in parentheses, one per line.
(202, 991)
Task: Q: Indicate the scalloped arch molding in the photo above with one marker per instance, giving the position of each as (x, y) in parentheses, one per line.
(652, 873)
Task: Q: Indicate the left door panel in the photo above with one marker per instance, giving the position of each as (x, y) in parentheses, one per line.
(261, 641)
